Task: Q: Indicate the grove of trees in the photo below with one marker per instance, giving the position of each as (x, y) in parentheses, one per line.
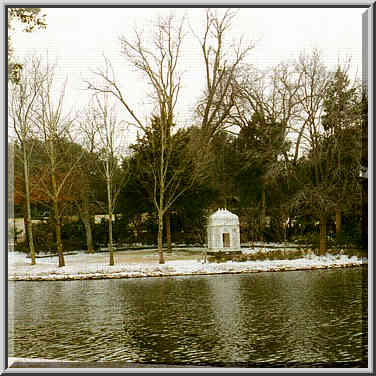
(280, 147)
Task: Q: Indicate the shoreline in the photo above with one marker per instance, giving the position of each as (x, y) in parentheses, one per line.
(181, 268)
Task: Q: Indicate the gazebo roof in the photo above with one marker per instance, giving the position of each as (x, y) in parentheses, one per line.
(223, 217)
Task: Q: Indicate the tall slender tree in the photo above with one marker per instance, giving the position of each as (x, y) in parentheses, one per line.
(311, 93)
(159, 64)
(221, 60)
(89, 176)
(24, 109)
(183, 171)
(111, 143)
(54, 129)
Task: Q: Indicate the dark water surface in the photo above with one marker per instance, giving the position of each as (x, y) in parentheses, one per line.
(293, 319)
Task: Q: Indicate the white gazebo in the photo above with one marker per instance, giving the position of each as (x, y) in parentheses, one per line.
(223, 231)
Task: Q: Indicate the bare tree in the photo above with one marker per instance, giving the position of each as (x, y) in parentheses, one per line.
(110, 146)
(82, 202)
(293, 94)
(221, 62)
(55, 133)
(158, 62)
(88, 173)
(23, 110)
(315, 79)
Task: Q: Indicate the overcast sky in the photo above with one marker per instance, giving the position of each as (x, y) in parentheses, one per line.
(78, 38)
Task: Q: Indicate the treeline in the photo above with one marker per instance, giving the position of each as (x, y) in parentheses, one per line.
(280, 147)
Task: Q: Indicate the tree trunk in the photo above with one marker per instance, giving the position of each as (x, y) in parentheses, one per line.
(323, 238)
(89, 236)
(85, 217)
(59, 244)
(58, 235)
(109, 201)
(168, 232)
(338, 222)
(263, 213)
(110, 247)
(138, 228)
(29, 226)
(160, 237)
(26, 235)
(28, 222)
(284, 226)
(57, 222)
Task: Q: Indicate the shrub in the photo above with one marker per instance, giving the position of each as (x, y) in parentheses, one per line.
(73, 236)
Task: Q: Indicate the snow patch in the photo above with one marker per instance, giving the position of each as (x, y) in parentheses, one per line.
(46, 270)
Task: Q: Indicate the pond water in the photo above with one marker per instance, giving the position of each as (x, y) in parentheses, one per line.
(289, 319)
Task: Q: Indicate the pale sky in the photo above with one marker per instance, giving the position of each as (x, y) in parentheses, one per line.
(77, 39)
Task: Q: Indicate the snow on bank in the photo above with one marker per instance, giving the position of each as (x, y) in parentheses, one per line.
(46, 270)
(12, 360)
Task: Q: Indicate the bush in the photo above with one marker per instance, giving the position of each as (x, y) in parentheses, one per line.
(21, 247)
(350, 252)
(279, 255)
(43, 237)
(240, 258)
(73, 236)
(348, 239)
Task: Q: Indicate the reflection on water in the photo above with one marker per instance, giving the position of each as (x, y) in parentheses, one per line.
(305, 318)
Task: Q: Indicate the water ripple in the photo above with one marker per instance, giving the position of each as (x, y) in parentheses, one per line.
(307, 317)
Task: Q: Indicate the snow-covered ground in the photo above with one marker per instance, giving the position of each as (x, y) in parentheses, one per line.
(95, 266)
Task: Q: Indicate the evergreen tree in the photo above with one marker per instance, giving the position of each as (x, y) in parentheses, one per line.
(260, 145)
(342, 144)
